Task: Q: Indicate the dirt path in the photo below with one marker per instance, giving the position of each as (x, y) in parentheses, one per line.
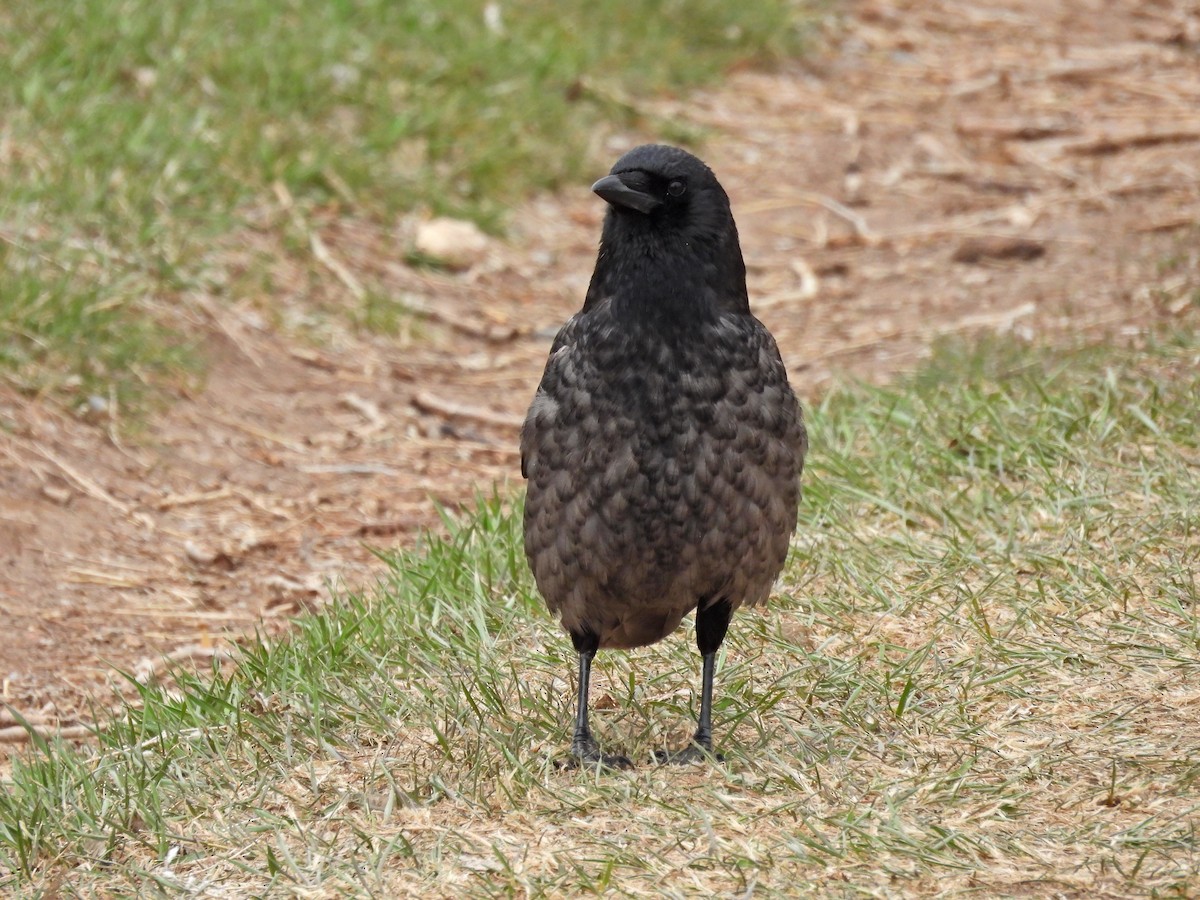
(941, 168)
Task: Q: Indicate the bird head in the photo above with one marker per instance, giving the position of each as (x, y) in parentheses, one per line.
(665, 189)
(669, 234)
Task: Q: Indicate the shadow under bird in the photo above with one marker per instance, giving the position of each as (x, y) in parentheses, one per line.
(664, 446)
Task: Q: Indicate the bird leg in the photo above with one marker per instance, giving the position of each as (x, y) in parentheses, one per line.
(584, 749)
(703, 736)
(711, 624)
(583, 744)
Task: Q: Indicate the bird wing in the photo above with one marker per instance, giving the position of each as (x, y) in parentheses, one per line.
(798, 434)
(557, 359)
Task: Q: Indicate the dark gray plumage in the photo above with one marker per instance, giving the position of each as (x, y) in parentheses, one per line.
(663, 448)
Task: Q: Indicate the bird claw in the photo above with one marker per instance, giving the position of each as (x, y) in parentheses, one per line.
(689, 755)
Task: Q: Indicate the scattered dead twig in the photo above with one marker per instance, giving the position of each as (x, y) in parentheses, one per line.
(1037, 156)
(219, 318)
(312, 358)
(784, 298)
(369, 410)
(24, 520)
(1001, 320)
(173, 500)
(8, 716)
(975, 250)
(807, 198)
(430, 403)
(365, 468)
(19, 734)
(149, 668)
(470, 326)
(183, 615)
(203, 555)
(976, 85)
(1104, 144)
(389, 527)
(1084, 70)
(285, 442)
(81, 481)
(465, 444)
(325, 257)
(963, 225)
(976, 182)
(1172, 223)
(321, 253)
(80, 575)
(609, 95)
(259, 503)
(1020, 129)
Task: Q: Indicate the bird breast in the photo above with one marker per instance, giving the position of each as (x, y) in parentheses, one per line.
(663, 470)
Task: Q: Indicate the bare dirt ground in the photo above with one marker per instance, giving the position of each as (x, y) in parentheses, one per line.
(935, 168)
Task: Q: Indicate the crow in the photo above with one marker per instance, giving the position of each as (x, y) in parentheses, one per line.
(664, 446)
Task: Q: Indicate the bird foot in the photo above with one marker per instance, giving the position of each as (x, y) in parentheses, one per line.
(589, 755)
(689, 755)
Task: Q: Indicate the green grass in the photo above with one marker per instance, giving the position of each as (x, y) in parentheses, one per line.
(139, 138)
(67, 335)
(979, 677)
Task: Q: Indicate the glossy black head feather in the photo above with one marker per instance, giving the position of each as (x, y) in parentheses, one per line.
(669, 246)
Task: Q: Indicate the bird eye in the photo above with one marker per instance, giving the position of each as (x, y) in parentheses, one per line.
(676, 188)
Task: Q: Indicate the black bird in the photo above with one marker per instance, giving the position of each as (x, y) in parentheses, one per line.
(664, 446)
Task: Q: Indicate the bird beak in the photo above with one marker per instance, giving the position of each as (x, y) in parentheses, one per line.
(616, 192)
